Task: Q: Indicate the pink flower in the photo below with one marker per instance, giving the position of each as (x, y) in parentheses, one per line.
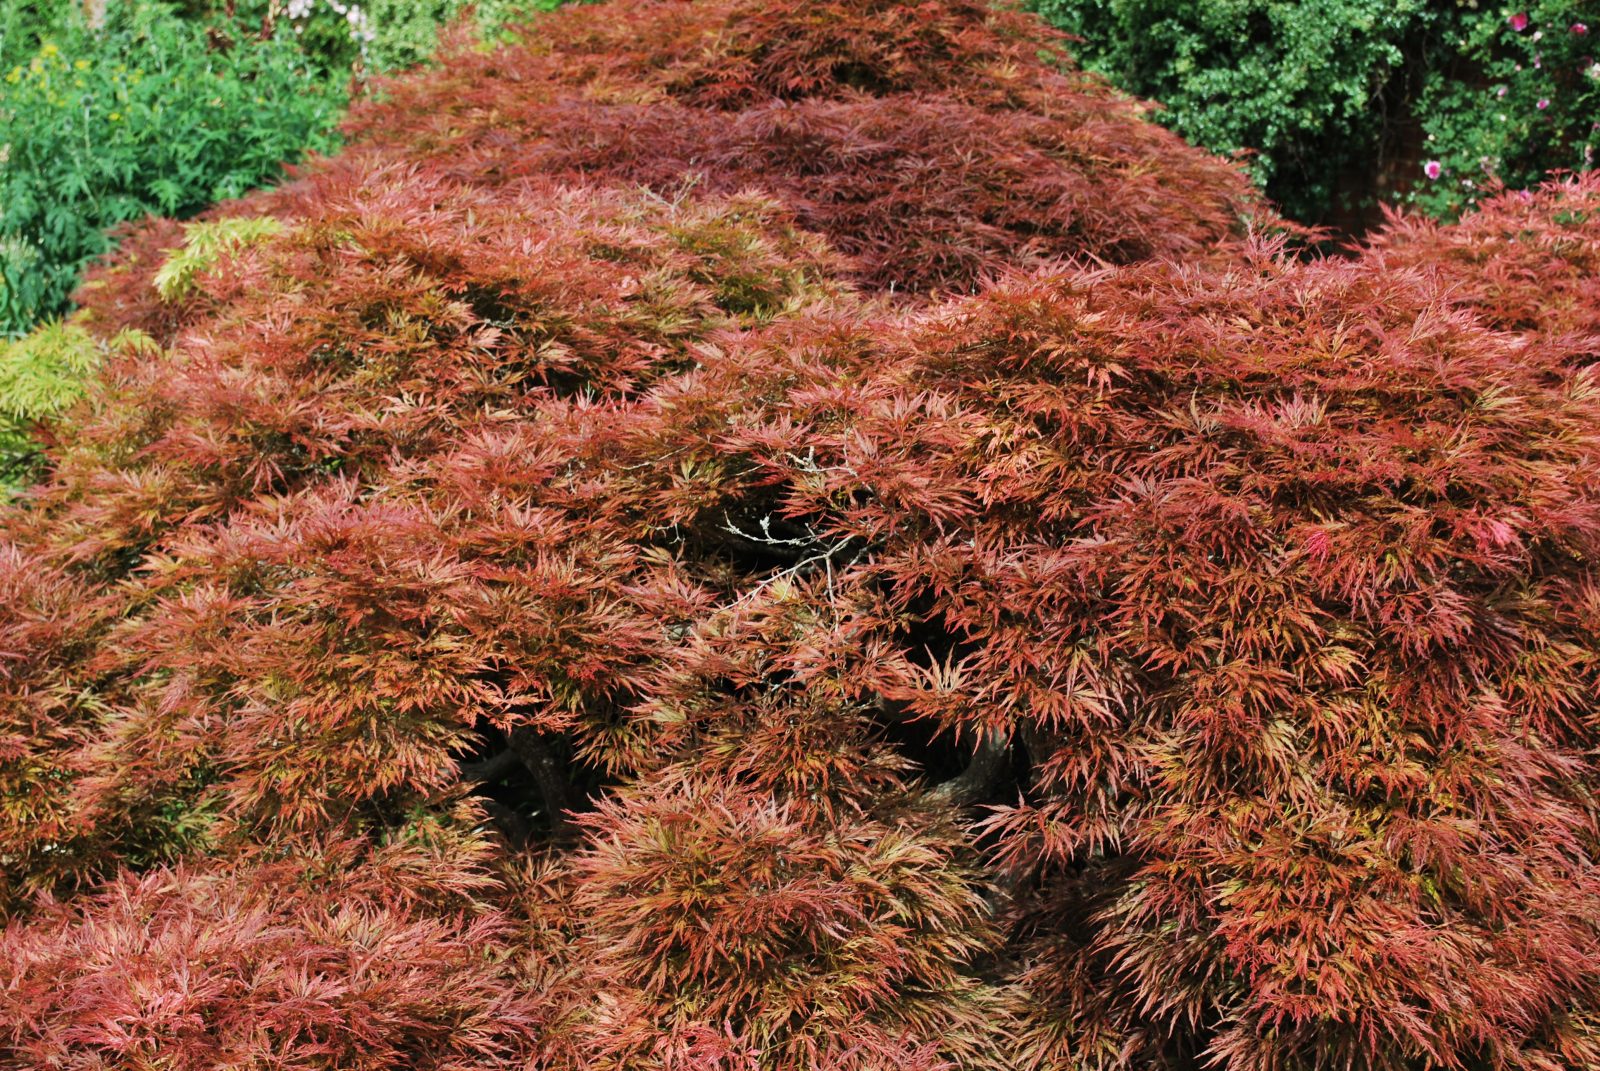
(1519, 21)
(1580, 28)
(1544, 102)
(1433, 169)
(1500, 92)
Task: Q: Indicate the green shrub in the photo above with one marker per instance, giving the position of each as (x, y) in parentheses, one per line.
(40, 375)
(1531, 105)
(24, 288)
(1332, 97)
(154, 113)
(1298, 83)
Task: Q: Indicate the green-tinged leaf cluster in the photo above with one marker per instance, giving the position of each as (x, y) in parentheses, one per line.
(206, 243)
(40, 375)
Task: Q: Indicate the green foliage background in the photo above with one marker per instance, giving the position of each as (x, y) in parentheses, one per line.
(168, 108)
(1344, 102)
(1512, 104)
(153, 113)
(387, 34)
(1301, 83)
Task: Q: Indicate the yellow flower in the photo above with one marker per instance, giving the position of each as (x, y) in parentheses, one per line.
(81, 65)
(49, 49)
(116, 117)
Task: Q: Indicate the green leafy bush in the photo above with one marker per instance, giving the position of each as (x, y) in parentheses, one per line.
(153, 113)
(40, 376)
(1345, 102)
(1531, 105)
(1297, 83)
(23, 287)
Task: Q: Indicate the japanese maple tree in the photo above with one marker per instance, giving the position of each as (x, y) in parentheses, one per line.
(575, 582)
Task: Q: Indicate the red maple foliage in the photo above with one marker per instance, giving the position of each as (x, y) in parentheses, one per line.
(335, 958)
(1524, 260)
(810, 942)
(1300, 660)
(936, 143)
(509, 621)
